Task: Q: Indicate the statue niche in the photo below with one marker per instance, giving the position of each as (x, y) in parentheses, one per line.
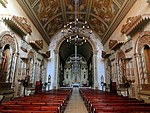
(5, 58)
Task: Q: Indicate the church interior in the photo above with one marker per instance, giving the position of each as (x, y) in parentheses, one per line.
(74, 56)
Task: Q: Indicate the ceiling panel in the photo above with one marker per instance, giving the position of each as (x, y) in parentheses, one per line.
(70, 5)
(98, 26)
(50, 15)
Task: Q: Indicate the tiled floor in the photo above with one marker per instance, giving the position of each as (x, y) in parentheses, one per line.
(76, 104)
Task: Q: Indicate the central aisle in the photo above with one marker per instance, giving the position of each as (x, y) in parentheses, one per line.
(76, 104)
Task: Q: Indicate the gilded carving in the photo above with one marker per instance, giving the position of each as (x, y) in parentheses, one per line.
(120, 55)
(8, 39)
(144, 40)
(22, 24)
(129, 23)
(39, 42)
(134, 22)
(112, 43)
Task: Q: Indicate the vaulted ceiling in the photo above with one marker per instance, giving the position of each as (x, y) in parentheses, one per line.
(103, 16)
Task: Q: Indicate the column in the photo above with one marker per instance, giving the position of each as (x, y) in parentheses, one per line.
(137, 79)
(10, 69)
(56, 52)
(35, 74)
(95, 69)
(15, 79)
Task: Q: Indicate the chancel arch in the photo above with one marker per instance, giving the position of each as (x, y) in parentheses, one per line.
(87, 50)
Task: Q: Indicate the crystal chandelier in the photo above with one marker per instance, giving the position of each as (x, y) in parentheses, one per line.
(76, 32)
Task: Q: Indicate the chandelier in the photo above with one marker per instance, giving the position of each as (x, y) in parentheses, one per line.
(76, 32)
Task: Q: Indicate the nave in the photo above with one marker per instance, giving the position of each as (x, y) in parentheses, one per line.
(75, 104)
(74, 100)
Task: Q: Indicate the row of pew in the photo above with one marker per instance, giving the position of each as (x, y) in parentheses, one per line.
(53, 101)
(98, 101)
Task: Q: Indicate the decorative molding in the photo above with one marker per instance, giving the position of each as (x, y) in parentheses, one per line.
(37, 44)
(144, 40)
(114, 44)
(105, 54)
(112, 57)
(25, 59)
(128, 57)
(120, 55)
(23, 49)
(22, 23)
(4, 2)
(17, 24)
(46, 54)
(24, 46)
(135, 23)
(8, 39)
(128, 46)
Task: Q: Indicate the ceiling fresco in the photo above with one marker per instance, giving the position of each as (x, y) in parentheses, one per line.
(49, 16)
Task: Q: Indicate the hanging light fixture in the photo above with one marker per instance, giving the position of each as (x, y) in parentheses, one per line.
(76, 32)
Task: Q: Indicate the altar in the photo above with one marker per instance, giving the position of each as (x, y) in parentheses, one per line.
(76, 85)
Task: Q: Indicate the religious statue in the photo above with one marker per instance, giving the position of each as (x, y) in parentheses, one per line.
(4, 64)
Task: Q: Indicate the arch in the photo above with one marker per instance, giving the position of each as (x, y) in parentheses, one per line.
(143, 71)
(8, 41)
(8, 37)
(143, 39)
(59, 43)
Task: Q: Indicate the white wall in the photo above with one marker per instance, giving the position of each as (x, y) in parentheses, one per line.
(55, 42)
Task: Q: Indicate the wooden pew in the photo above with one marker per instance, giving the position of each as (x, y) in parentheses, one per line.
(98, 102)
(53, 102)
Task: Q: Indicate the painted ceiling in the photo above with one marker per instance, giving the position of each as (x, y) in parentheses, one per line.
(49, 16)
